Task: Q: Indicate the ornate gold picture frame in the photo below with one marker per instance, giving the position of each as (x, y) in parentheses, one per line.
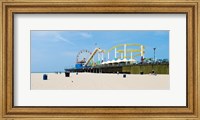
(11, 7)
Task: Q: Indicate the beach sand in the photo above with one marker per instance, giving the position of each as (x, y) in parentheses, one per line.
(99, 81)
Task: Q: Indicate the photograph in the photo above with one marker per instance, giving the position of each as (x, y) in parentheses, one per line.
(99, 60)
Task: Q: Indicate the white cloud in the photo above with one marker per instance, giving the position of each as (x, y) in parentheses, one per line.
(85, 35)
(60, 38)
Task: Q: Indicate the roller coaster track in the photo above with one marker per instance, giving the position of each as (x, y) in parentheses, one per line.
(122, 51)
(92, 55)
(121, 45)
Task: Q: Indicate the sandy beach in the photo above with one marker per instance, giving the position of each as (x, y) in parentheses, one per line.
(99, 81)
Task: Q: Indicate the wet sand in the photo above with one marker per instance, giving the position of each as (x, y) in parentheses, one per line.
(99, 81)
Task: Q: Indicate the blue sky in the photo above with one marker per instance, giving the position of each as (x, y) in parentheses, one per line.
(55, 50)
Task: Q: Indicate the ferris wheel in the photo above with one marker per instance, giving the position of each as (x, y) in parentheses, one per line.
(83, 56)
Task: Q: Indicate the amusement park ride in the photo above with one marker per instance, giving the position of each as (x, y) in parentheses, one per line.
(122, 53)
